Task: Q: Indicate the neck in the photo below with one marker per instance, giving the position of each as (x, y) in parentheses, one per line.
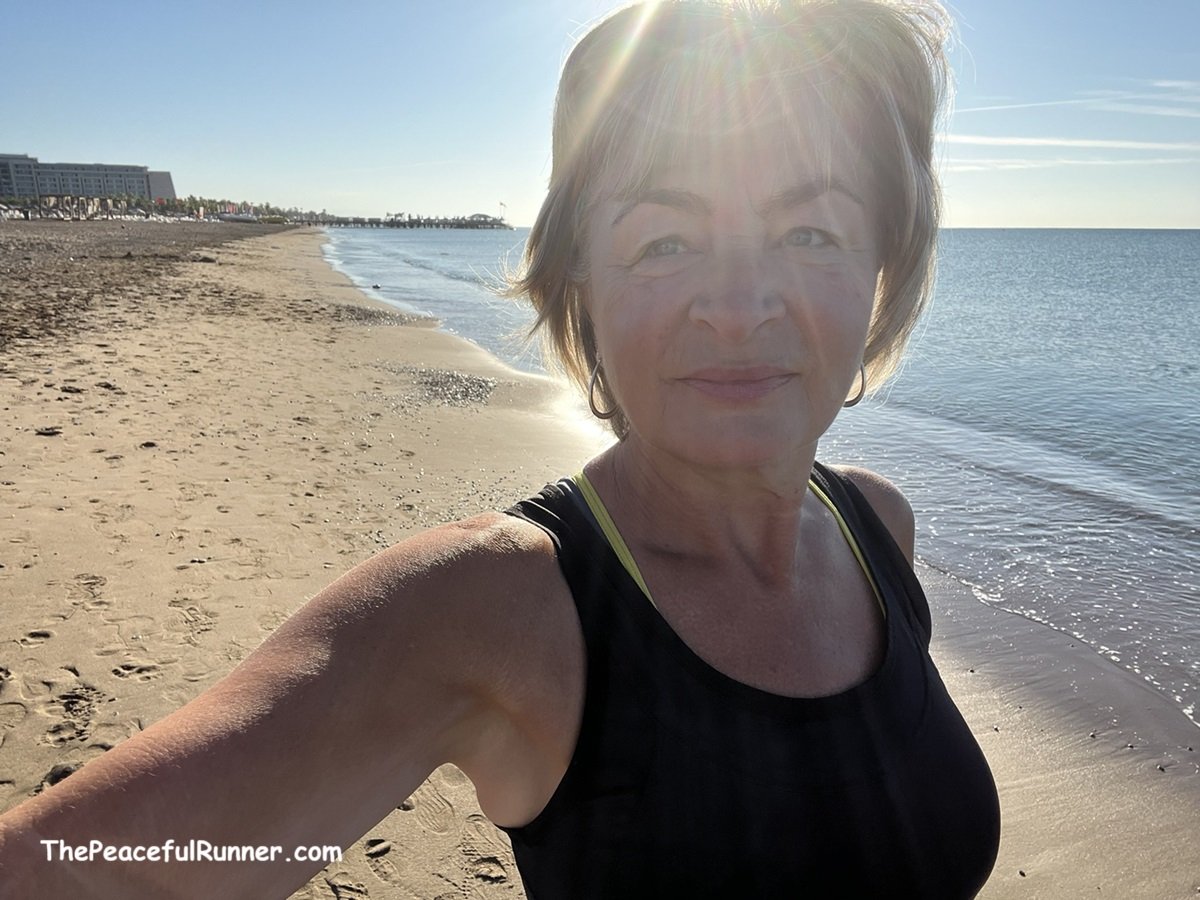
(748, 520)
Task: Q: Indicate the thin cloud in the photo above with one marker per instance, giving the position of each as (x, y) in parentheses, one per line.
(1091, 143)
(1177, 111)
(1109, 100)
(1001, 165)
(1080, 101)
(1157, 97)
(1177, 85)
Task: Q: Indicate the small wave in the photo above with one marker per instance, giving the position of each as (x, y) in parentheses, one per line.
(996, 599)
(1172, 370)
(429, 265)
(1043, 468)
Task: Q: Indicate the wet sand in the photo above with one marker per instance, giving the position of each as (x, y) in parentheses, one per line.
(1098, 773)
(205, 424)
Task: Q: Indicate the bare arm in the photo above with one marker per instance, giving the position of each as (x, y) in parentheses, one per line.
(312, 740)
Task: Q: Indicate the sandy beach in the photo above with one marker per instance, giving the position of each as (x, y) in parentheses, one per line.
(205, 424)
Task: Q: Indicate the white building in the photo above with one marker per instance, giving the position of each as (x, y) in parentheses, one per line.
(25, 177)
(18, 176)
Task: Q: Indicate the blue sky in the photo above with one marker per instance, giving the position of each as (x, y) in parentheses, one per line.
(1068, 113)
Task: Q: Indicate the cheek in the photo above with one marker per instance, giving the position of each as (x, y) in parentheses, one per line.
(632, 315)
(638, 333)
(844, 296)
(828, 311)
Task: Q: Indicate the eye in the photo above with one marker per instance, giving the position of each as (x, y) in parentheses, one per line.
(665, 247)
(807, 237)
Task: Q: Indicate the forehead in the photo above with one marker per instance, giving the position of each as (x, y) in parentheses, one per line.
(725, 120)
(809, 145)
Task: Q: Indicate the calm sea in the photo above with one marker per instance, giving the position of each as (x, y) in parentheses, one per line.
(1045, 426)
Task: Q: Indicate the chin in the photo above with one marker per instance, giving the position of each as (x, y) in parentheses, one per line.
(733, 445)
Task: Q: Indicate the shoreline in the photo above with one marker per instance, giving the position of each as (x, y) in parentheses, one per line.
(1098, 773)
(267, 425)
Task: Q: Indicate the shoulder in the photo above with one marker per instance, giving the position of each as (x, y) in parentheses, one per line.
(499, 571)
(480, 582)
(889, 504)
(465, 608)
(497, 624)
(488, 546)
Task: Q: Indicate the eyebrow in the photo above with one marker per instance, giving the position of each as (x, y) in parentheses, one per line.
(684, 201)
(806, 192)
(788, 198)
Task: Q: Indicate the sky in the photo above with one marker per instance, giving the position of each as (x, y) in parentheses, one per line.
(1067, 113)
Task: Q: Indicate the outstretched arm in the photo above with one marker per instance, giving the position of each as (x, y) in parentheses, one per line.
(313, 739)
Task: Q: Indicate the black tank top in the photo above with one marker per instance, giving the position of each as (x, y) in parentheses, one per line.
(687, 783)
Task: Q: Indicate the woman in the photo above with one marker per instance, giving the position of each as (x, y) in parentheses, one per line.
(700, 667)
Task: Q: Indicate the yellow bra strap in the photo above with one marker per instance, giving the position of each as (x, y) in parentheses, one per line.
(854, 548)
(604, 520)
(596, 505)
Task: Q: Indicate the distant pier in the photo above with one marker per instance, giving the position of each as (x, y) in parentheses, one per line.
(479, 220)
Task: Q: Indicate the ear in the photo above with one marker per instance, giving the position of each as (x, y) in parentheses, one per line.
(578, 280)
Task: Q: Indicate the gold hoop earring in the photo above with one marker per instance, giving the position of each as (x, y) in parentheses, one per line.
(596, 411)
(862, 387)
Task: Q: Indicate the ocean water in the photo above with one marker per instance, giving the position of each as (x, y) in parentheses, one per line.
(445, 273)
(1045, 426)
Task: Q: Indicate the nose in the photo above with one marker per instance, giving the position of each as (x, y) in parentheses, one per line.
(739, 294)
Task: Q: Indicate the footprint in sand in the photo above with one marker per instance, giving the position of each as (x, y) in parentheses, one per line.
(11, 714)
(188, 621)
(85, 592)
(380, 860)
(142, 671)
(135, 629)
(77, 708)
(87, 586)
(486, 857)
(482, 839)
(488, 869)
(108, 735)
(344, 888)
(106, 514)
(194, 669)
(451, 776)
(36, 638)
(56, 774)
(433, 811)
(384, 869)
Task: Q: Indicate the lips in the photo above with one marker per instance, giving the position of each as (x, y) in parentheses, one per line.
(738, 384)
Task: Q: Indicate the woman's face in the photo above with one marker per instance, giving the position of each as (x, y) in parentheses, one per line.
(731, 301)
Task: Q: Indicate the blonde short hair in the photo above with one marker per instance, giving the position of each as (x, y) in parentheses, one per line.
(633, 88)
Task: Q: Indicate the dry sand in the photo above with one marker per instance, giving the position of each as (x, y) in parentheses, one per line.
(218, 442)
(199, 434)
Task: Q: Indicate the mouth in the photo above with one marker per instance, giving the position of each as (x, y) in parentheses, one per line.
(738, 384)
